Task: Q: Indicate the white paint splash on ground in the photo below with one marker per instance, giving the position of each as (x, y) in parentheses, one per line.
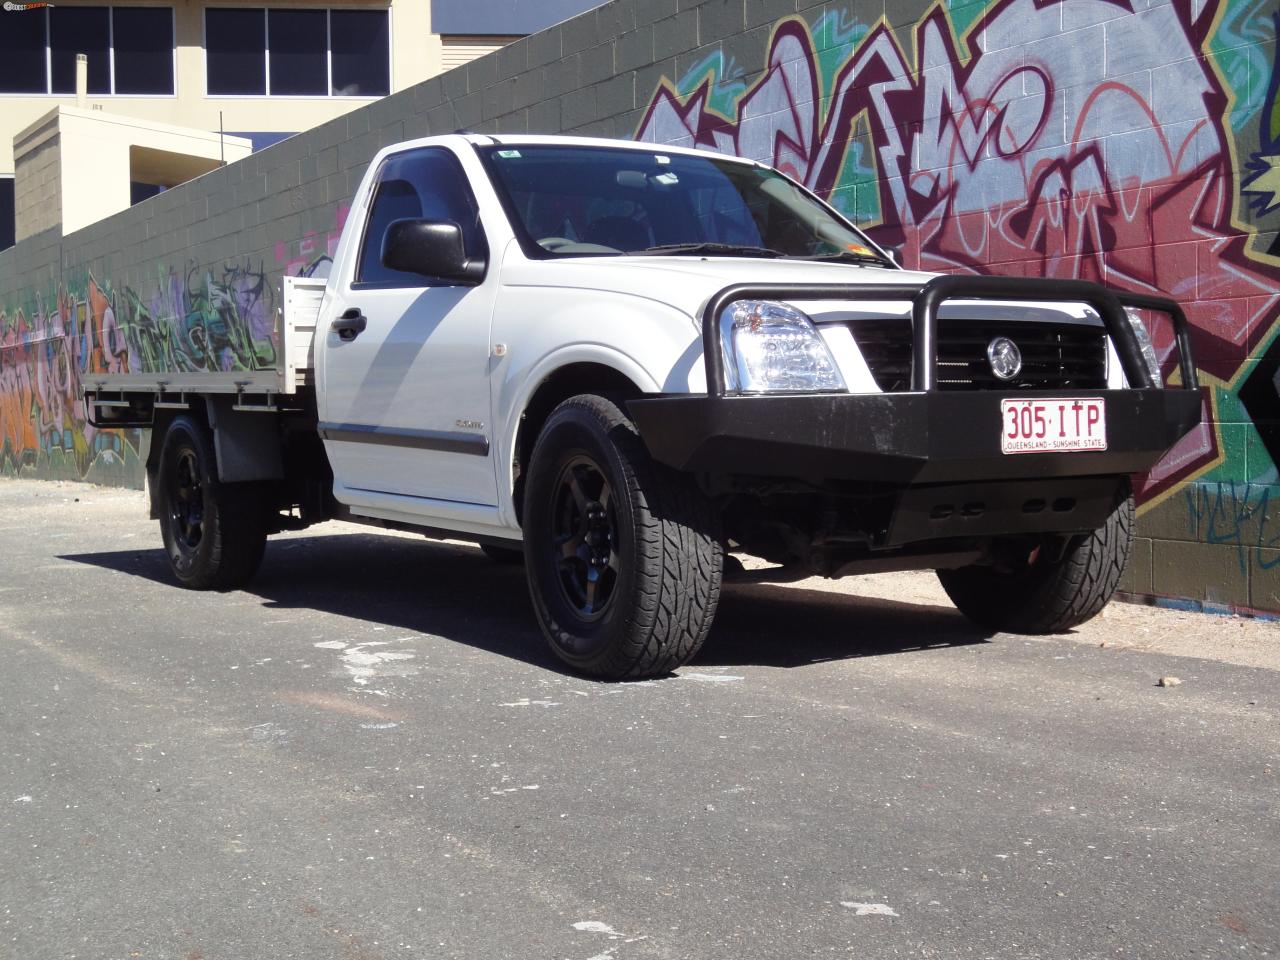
(500, 791)
(709, 677)
(378, 726)
(363, 664)
(595, 926)
(25, 798)
(526, 702)
(869, 909)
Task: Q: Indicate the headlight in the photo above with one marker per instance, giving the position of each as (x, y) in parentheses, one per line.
(773, 348)
(1144, 342)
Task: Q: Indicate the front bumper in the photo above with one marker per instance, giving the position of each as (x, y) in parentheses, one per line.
(901, 438)
(925, 435)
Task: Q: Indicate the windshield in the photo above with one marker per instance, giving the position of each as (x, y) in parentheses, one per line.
(573, 201)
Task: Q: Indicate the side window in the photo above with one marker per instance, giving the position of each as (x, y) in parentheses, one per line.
(427, 184)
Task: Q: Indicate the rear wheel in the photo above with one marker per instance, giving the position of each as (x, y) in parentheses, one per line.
(620, 552)
(214, 533)
(1054, 590)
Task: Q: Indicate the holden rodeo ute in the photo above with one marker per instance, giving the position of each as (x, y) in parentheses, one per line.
(622, 363)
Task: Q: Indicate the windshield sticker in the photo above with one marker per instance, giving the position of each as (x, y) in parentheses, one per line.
(509, 154)
(659, 158)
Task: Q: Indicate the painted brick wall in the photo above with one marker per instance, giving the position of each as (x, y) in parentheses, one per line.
(1134, 142)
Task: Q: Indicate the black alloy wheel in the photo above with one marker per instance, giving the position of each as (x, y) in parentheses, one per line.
(185, 498)
(214, 533)
(621, 553)
(585, 538)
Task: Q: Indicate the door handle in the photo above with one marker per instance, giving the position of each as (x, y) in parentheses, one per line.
(350, 324)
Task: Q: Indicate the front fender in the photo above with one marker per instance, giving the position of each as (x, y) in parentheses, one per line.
(518, 401)
(542, 330)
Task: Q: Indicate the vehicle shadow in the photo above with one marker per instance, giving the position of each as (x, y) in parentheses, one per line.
(454, 591)
(777, 626)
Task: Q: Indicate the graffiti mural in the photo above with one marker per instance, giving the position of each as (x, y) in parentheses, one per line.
(1010, 144)
(191, 320)
(1263, 184)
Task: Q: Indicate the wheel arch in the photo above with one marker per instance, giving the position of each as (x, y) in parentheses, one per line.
(246, 445)
(554, 387)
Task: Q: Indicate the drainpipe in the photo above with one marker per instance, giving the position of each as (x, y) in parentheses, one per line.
(82, 80)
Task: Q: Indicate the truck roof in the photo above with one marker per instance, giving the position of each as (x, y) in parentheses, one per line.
(527, 139)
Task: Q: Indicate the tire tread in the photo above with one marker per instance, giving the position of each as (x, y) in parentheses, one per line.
(678, 585)
(236, 525)
(1054, 597)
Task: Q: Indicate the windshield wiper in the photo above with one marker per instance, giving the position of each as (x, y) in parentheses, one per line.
(727, 249)
(844, 256)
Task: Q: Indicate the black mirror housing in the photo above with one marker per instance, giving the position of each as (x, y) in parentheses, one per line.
(431, 248)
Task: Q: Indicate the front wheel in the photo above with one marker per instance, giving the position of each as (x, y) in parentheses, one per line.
(621, 556)
(1053, 590)
(214, 533)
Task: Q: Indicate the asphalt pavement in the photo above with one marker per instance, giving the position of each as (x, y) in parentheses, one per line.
(370, 754)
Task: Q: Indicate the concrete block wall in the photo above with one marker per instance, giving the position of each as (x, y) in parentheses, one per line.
(38, 207)
(1136, 143)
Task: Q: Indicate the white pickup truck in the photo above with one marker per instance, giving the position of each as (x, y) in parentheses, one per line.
(622, 364)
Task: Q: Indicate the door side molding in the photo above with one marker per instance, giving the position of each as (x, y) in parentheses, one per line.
(445, 441)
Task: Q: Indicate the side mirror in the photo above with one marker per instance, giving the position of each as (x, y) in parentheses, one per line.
(432, 248)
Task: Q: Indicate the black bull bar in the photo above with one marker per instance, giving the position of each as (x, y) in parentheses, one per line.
(923, 435)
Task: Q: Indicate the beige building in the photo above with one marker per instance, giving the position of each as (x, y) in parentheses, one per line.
(74, 167)
(258, 71)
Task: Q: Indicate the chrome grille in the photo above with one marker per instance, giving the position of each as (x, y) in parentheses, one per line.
(1055, 356)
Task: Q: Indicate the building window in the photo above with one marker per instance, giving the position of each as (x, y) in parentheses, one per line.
(75, 30)
(22, 52)
(142, 38)
(299, 62)
(130, 50)
(8, 221)
(143, 191)
(361, 66)
(234, 41)
(292, 52)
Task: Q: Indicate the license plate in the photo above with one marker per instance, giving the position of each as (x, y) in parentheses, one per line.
(1040, 426)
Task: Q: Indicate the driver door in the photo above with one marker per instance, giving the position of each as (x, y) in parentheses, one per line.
(405, 405)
